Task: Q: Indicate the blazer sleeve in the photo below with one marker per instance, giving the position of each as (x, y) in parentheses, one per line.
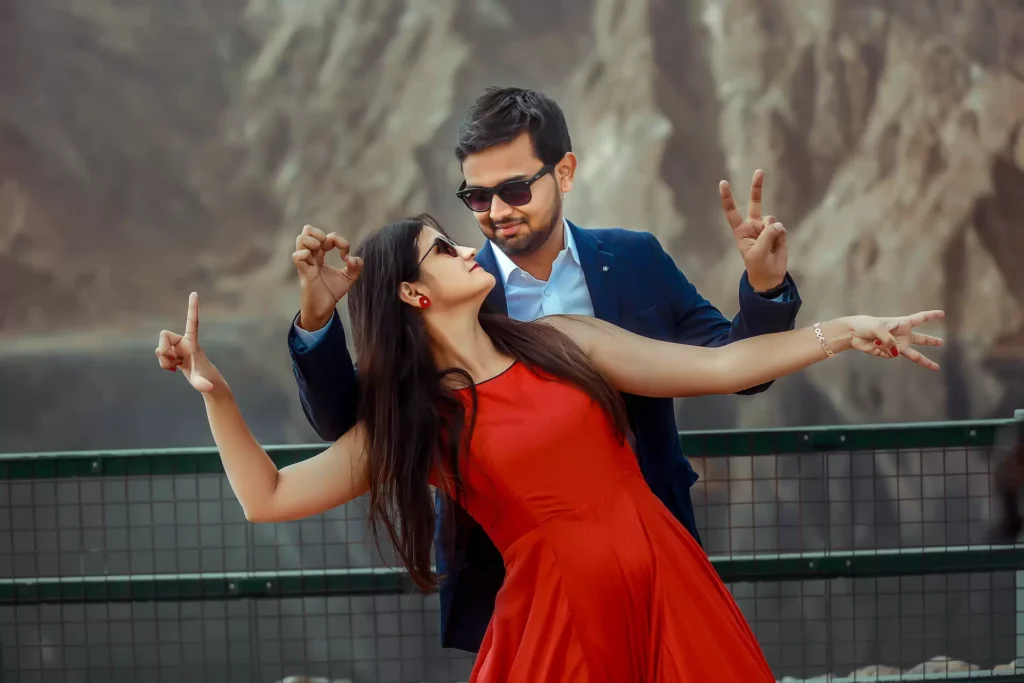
(696, 321)
(327, 380)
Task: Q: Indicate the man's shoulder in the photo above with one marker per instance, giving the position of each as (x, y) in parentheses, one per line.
(623, 241)
(618, 235)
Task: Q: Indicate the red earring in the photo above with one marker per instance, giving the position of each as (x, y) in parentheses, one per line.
(424, 302)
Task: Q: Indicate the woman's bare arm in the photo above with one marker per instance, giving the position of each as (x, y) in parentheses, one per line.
(647, 367)
(312, 486)
(327, 480)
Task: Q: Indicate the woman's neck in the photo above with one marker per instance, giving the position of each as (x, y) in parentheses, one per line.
(463, 343)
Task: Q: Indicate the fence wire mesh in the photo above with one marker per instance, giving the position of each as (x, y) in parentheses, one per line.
(900, 506)
(866, 562)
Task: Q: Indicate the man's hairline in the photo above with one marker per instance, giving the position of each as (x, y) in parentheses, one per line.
(533, 145)
(519, 176)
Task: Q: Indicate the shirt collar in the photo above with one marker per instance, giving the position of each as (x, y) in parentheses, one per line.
(506, 267)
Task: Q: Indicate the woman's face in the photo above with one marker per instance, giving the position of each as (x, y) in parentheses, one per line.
(449, 275)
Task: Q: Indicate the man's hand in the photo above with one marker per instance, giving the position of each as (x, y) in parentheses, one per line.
(322, 286)
(761, 241)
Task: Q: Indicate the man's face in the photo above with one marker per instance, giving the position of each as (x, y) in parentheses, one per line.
(518, 230)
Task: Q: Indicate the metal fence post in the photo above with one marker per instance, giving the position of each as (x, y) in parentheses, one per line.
(1018, 662)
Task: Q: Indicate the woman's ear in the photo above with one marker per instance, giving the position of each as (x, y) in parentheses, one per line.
(410, 294)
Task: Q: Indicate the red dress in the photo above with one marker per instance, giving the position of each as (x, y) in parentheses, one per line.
(602, 582)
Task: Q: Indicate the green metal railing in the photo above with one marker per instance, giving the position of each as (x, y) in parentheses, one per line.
(698, 444)
(964, 450)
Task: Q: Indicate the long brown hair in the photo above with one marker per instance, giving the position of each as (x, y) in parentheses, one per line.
(415, 422)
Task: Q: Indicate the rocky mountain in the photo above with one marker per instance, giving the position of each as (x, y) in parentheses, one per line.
(146, 150)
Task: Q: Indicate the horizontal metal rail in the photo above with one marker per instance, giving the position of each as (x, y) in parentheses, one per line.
(724, 443)
(384, 580)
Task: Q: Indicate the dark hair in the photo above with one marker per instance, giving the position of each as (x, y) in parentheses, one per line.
(415, 422)
(502, 114)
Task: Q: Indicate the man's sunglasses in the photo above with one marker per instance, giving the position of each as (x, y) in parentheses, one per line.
(442, 245)
(512, 192)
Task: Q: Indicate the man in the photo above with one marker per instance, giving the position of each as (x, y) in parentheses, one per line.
(517, 161)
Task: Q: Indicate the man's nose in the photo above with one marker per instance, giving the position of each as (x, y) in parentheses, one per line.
(499, 209)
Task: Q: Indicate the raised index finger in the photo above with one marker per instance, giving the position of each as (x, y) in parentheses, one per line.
(756, 188)
(732, 214)
(192, 320)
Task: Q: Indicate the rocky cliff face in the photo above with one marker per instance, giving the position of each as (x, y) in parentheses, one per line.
(894, 134)
(149, 151)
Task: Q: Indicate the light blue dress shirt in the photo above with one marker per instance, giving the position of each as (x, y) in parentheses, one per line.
(564, 292)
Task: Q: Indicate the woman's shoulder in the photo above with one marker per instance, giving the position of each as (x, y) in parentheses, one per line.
(584, 330)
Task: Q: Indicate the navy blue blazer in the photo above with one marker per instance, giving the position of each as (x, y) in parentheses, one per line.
(634, 284)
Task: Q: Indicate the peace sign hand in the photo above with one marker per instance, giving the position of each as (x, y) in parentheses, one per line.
(894, 337)
(175, 350)
(760, 241)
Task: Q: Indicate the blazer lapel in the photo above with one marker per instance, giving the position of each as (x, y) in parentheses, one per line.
(599, 271)
(496, 298)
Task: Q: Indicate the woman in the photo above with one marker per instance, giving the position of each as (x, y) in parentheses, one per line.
(522, 425)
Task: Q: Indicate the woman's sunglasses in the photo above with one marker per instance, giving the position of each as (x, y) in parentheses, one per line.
(442, 245)
(512, 192)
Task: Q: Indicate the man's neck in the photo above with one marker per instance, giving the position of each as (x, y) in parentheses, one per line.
(459, 341)
(539, 263)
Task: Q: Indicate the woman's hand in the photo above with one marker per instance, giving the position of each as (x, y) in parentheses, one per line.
(893, 337)
(175, 350)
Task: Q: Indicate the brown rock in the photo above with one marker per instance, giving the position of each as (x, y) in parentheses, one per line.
(912, 209)
(890, 135)
(942, 664)
(874, 670)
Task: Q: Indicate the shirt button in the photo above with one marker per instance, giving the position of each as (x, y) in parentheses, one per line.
(547, 292)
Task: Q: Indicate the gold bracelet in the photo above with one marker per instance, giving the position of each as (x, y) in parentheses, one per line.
(821, 340)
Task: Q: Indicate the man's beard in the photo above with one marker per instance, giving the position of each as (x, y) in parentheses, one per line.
(532, 240)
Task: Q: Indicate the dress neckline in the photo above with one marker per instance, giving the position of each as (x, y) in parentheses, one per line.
(490, 379)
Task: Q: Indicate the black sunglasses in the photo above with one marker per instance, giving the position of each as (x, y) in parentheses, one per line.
(442, 245)
(512, 192)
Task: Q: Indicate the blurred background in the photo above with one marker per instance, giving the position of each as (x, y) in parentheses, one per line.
(149, 148)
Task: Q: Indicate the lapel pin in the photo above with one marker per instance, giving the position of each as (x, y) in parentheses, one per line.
(604, 268)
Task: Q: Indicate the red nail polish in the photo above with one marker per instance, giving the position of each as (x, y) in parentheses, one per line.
(895, 352)
(878, 342)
